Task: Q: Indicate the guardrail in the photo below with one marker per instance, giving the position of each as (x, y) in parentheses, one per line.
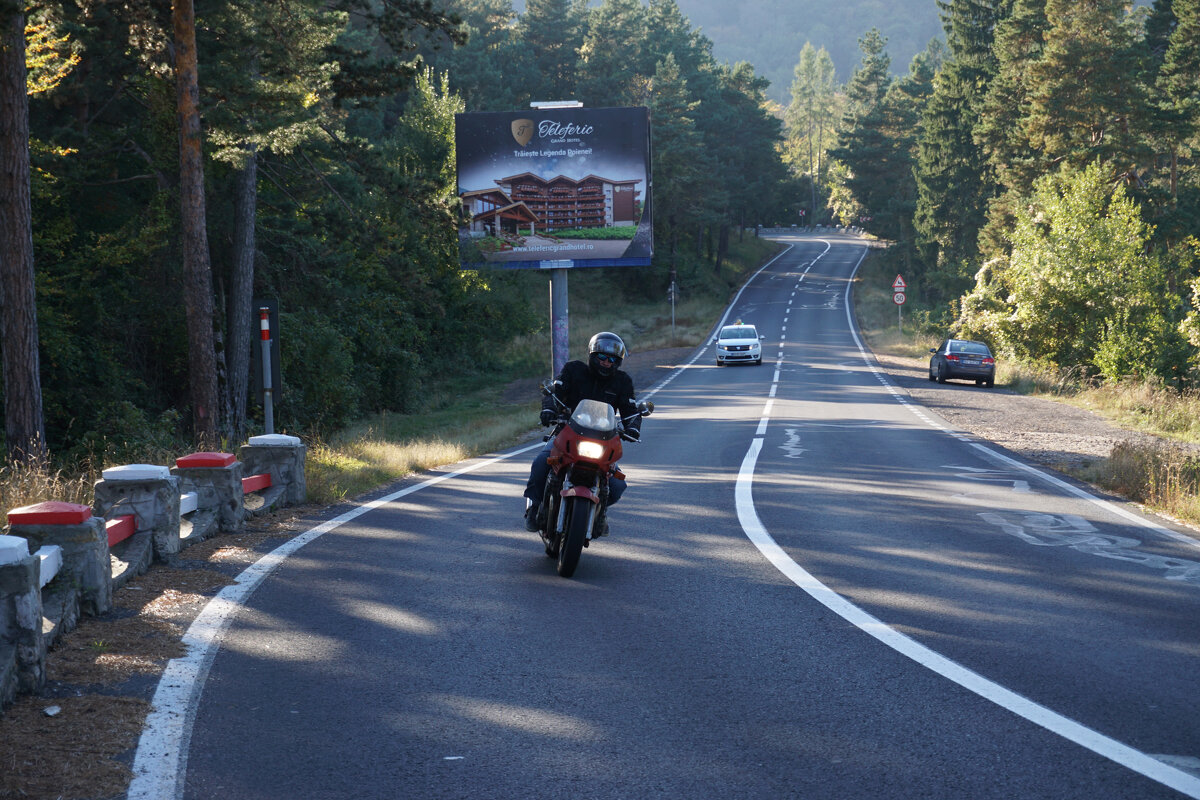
(58, 560)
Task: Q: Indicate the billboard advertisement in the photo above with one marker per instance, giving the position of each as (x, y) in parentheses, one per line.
(555, 187)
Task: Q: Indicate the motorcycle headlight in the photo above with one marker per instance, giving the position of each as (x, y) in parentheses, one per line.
(592, 450)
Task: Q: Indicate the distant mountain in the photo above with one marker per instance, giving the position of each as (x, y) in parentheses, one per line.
(770, 33)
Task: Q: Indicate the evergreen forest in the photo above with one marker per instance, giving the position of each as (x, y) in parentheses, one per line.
(184, 162)
(168, 166)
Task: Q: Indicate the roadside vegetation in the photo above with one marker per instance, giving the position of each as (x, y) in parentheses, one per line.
(1164, 477)
(464, 412)
(469, 415)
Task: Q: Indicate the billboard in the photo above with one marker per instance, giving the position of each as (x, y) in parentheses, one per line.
(550, 188)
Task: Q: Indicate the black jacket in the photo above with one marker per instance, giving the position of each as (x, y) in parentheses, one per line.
(580, 383)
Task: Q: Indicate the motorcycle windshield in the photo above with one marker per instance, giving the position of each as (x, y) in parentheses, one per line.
(594, 415)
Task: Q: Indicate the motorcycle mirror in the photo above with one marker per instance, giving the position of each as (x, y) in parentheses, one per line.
(646, 407)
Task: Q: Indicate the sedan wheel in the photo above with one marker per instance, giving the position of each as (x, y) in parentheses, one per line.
(941, 374)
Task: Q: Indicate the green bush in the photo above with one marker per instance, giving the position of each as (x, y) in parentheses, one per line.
(320, 390)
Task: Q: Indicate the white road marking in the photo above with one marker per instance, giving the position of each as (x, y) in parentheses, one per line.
(972, 681)
(1093, 740)
(161, 759)
(1068, 530)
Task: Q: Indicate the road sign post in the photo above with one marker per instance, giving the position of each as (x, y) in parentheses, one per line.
(898, 287)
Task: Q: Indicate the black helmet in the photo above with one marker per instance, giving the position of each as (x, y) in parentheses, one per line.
(607, 344)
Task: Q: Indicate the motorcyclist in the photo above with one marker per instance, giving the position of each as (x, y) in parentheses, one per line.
(600, 378)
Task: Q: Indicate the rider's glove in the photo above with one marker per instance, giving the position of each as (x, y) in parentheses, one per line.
(633, 434)
(547, 416)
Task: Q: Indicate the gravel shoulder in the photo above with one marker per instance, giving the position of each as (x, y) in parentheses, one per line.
(1046, 432)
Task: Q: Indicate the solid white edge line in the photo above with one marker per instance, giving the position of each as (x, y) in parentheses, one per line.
(1083, 494)
(160, 761)
(971, 681)
(1082, 735)
(161, 758)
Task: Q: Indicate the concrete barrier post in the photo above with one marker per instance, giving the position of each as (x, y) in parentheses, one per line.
(283, 458)
(151, 494)
(216, 478)
(84, 544)
(21, 639)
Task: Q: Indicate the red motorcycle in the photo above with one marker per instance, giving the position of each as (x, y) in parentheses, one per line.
(587, 447)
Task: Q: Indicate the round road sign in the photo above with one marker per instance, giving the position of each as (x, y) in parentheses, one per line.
(898, 298)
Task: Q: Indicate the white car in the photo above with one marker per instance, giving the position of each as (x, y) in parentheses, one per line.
(739, 342)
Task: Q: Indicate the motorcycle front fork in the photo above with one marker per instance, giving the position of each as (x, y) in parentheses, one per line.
(553, 487)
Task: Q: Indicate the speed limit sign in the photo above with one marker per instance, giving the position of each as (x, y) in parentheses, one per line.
(898, 298)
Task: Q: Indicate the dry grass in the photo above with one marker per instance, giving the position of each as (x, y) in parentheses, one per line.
(1146, 406)
(72, 754)
(1162, 476)
(23, 484)
(364, 458)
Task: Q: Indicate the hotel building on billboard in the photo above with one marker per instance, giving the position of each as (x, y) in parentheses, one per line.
(530, 201)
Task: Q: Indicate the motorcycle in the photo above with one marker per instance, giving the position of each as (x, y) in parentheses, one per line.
(587, 447)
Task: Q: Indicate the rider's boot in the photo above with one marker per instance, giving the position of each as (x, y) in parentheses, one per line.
(601, 526)
(531, 514)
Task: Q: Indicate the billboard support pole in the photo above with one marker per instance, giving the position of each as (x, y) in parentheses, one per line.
(558, 319)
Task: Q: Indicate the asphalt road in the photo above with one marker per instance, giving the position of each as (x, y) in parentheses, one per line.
(813, 589)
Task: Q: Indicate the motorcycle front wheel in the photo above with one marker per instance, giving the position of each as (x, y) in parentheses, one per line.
(577, 520)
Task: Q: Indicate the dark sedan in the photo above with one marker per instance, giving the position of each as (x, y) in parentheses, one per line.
(961, 358)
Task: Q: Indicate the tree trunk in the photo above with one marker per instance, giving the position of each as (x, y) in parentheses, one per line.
(1174, 173)
(24, 426)
(722, 245)
(197, 271)
(812, 172)
(241, 295)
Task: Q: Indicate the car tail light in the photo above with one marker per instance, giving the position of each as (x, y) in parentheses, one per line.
(989, 361)
(951, 357)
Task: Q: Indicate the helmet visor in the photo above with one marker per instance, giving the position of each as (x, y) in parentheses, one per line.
(609, 347)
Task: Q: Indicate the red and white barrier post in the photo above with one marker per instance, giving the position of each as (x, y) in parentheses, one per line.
(264, 316)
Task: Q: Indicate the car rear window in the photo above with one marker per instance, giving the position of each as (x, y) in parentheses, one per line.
(969, 347)
(738, 333)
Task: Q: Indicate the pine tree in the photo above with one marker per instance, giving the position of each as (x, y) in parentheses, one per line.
(862, 142)
(810, 117)
(680, 159)
(743, 139)
(551, 34)
(954, 182)
(270, 91)
(902, 106)
(1178, 81)
(24, 425)
(1016, 162)
(487, 71)
(612, 68)
(669, 31)
(1083, 104)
